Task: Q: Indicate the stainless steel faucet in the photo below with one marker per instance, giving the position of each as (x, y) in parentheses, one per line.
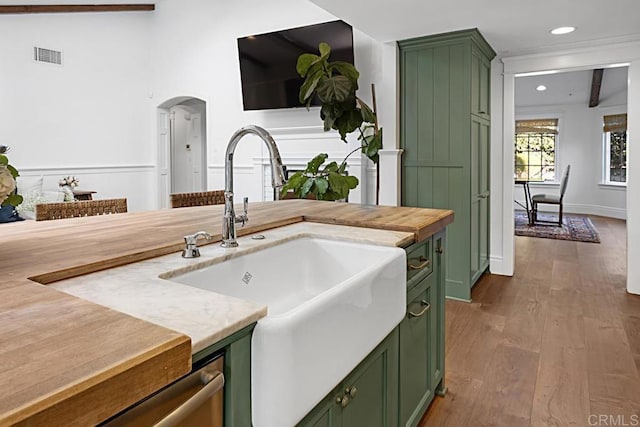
(277, 181)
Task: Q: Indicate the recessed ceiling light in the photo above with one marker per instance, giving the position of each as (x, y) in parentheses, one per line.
(540, 88)
(563, 30)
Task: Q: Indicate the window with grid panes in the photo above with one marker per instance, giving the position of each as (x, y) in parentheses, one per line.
(535, 149)
(615, 149)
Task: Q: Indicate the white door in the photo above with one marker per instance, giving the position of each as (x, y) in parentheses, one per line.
(186, 151)
(194, 138)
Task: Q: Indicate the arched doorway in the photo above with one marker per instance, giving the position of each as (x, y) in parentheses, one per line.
(182, 147)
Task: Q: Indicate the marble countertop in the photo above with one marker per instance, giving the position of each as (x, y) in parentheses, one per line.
(206, 317)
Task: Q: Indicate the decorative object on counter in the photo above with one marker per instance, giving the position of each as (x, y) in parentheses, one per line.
(335, 84)
(67, 184)
(576, 228)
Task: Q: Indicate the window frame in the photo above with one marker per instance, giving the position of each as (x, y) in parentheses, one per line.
(557, 165)
(606, 164)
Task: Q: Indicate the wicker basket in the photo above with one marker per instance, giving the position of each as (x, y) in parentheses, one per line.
(48, 211)
(203, 198)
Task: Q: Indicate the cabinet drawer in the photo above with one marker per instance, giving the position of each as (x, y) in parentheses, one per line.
(419, 260)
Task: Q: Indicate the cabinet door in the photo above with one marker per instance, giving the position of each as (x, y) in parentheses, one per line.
(327, 413)
(479, 238)
(367, 397)
(483, 211)
(480, 84)
(372, 388)
(416, 364)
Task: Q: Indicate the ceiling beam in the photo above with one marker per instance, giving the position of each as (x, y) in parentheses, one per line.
(72, 8)
(596, 82)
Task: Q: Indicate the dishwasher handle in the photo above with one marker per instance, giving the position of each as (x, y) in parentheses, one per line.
(213, 381)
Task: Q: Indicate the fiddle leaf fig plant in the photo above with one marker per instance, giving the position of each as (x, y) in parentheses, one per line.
(328, 183)
(335, 84)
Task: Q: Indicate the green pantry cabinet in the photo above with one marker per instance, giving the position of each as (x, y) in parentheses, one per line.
(445, 123)
(397, 381)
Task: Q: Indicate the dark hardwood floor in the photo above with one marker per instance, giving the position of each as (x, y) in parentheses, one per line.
(557, 344)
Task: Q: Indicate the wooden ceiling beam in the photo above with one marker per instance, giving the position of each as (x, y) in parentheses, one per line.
(596, 83)
(73, 8)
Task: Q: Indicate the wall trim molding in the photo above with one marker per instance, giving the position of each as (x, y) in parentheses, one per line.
(240, 168)
(303, 132)
(86, 169)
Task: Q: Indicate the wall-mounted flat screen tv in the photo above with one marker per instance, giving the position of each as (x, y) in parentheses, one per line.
(268, 62)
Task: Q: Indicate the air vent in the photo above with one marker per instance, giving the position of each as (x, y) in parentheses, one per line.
(47, 55)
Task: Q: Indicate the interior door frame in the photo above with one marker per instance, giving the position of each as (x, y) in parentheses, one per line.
(571, 60)
(163, 146)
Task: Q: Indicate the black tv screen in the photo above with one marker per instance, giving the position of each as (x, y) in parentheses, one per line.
(268, 62)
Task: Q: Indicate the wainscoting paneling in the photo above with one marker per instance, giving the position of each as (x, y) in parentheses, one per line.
(135, 182)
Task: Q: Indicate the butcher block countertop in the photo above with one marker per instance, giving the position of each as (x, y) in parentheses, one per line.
(67, 361)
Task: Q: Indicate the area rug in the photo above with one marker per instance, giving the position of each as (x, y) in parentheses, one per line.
(578, 228)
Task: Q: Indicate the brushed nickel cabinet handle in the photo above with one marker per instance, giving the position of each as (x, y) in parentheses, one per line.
(342, 401)
(351, 391)
(213, 381)
(424, 263)
(425, 307)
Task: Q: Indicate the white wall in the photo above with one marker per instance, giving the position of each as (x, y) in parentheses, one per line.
(96, 114)
(580, 144)
(196, 55)
(91, 116)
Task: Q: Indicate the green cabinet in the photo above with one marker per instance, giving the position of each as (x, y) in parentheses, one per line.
(445, 128)
(421, 341)
(367, 397)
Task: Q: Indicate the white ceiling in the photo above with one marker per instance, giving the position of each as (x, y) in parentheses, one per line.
(510, 26)
(571, 88)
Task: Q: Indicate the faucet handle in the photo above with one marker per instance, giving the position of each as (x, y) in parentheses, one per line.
(244, 218)
(192, 239)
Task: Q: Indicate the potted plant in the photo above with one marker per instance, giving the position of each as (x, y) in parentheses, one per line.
(8, 176)
(335, 84)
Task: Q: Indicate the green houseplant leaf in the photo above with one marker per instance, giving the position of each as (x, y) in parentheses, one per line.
(305, 61)
(335, 89)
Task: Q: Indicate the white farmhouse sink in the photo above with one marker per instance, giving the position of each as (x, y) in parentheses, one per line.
(329, 304)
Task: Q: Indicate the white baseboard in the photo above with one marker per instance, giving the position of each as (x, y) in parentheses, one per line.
(499, 267)
(572, 208)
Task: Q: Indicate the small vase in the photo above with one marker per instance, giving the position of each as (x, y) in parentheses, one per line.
(68, 193)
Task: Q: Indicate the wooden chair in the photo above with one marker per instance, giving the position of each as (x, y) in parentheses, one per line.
(203, 198)
(48, 211)
(551, 199)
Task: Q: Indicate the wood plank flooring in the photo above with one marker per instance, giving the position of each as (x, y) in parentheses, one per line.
(557, 344)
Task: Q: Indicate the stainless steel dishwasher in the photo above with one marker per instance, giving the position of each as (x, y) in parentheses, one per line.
(195, 400)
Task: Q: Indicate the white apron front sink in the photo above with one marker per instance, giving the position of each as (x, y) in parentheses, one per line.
(329, 304)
